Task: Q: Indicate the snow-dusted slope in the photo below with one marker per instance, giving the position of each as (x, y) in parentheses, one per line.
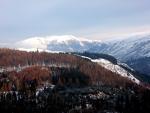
(114, 68)
(134, 51)
(131, 48)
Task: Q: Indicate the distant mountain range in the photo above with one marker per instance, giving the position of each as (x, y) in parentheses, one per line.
(133, 47)
(133, 50)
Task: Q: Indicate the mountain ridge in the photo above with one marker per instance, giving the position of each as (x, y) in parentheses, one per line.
(129, 50)
(68, 43)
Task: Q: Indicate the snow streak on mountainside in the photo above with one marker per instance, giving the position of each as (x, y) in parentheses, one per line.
(114, 68)
(117, 69)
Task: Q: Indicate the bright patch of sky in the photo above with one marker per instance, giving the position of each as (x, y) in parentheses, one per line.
(92, 19)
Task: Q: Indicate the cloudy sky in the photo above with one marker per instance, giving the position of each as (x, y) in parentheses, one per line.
(93, 19)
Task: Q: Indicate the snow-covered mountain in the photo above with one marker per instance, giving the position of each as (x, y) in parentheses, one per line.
(130, 48)
(134, 51)
(133, 47)
(67, 43)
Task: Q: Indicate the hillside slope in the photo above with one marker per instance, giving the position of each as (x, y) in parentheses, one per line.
(18, 61)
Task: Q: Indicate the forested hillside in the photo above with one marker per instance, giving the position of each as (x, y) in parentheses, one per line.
(32, 82)
(20, 66)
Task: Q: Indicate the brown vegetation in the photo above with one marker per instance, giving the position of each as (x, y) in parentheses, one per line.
(92, 72)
